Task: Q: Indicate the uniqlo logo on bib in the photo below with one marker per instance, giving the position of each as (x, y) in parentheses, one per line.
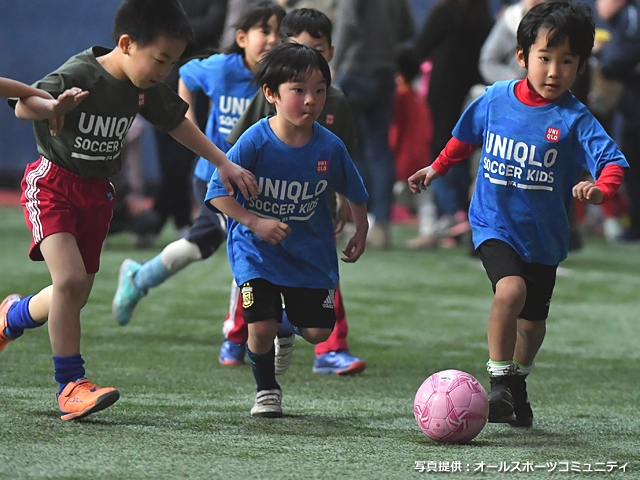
(322, 166)
(141, 99)
(553, 134)
(330, 118)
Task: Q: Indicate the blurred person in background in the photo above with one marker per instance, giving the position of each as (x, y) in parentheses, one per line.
(174, 198)
(410, 139)
(328, 7)
(619, 59)
(367, 33)
(497, 61)
(452, 36)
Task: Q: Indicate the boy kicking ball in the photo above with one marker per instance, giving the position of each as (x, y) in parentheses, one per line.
(535, 137)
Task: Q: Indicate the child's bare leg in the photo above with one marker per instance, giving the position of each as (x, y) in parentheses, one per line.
(261, 336)
(508, 301)
(315, 335)
(68, 294)
(530, 337)
(40, 304)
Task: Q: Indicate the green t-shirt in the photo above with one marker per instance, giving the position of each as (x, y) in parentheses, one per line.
(335, 116)
(93, 133)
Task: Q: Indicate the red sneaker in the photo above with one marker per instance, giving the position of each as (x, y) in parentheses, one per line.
(4, 308)
(82, 398)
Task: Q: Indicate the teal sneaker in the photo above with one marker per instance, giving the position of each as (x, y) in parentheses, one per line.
(128, 295)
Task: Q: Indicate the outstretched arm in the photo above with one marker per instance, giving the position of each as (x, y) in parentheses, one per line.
(356, 245)
(15, 89)
(422, 179)
(269, 230)
(454, 151)
(608, 184)
(189, 135)
(190, 98)
(41, 107)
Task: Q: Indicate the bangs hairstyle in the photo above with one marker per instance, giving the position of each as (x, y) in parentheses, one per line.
(308, 20)
(290, 62)
(145, 20)
(564, 19)
(257, 14)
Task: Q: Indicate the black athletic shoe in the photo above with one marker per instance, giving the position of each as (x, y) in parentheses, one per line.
(500, 400)
(521, 405)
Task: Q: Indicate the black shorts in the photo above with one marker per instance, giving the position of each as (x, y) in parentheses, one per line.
(208, 229)
(501, 260)
(306, 307)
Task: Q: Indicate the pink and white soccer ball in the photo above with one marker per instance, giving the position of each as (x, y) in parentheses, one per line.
(451, 406)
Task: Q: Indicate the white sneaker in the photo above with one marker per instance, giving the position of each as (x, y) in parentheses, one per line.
(268, 404)
(284, 353)
(612, 229)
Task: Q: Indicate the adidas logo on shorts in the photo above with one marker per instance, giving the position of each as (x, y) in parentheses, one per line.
(328, 302)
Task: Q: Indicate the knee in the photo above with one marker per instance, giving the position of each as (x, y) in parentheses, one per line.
(531, 329)
(511, 291)
(72, 284)
(262, 334)
(179, 254)
(316, 335)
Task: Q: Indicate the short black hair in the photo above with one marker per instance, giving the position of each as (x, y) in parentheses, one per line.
(145, 20)
(256, 13)
(407, 63)
(564, 19)
(309, 20)
(290, 62)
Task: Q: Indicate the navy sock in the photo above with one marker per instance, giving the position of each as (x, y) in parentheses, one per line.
(263, 369)
(19, 318)
(68, 369)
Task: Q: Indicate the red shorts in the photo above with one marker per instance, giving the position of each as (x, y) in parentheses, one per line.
(56, 200)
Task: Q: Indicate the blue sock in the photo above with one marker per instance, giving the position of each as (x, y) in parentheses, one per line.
(68, 369)
(286, 328)
(19, 318)
(151, 274)
(263, 369)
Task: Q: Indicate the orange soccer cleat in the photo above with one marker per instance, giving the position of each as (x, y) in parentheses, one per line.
(81, 398)
(4, 309)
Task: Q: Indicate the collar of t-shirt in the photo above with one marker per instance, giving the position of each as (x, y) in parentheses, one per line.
(528, 95)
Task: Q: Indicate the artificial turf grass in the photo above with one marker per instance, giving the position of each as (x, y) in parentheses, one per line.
(411, 313)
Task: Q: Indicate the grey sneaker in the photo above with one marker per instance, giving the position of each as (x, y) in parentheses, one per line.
(284, 353)
(268, 404)
(127, 295)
